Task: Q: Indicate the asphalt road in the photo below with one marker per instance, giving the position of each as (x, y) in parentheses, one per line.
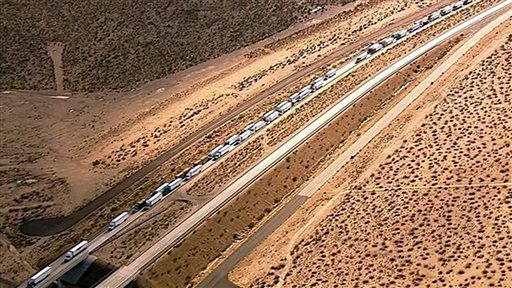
(219, 277)
(125, 274)
(51, 226)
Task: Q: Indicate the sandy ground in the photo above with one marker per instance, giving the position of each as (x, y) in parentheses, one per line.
(379, 231)
(61, 150)
(235, 221)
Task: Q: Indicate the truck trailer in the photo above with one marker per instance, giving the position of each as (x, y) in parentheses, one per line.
(270, 116)
(76, 250)
(284, 106)
(212, 153)
(400, 34)
(304, 93)
(363, 56)
(318, 83)
(446, 10)
(39, 276)
(164, 189)
(194, 171)
(233, 140)
(331, 73)
(175, 184)
(139, 205)
(258, 125)
(434, 16)
(295, 98)
(244, 135)
(151, 201)
(375, 48)
(387, 41)
(118, 220)
(225, 149)
(248, 127)
(458, 5)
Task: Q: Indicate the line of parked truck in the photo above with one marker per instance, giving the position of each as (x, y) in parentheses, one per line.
(224, 148)
(281, 108)
(376, 47)
(234, 140)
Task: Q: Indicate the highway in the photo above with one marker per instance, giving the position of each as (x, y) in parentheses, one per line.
(125, 274)
(218, 277)
(59, 267)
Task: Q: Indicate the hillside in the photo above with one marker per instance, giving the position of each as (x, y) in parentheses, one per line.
(120, 45)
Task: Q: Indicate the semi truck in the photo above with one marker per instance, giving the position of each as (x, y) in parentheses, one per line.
(244, 135)
(151, 201)
(270, 116)
(194, 171)
(295, 98)
(39, 276)
(434, 16)
(233, 140)
(284, 106)
(212, 153)
(400, 34)
(258, 125)
(118, 220)
(363, 56)
(466, 2)
(76, 250)
(458, 5)
(375, 48)
(387, 41)
(446, 10)
(331, 73)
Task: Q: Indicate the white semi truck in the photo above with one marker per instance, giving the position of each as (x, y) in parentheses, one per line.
(214, 152)
(244, 135)
(39, 276)
(375, 48)
(80, 247)
(270, 116)
(151, 201)
(194, 171)
(118, 220)
(258, 125)
(284, 106)
(446, 10)
(233, 140)
(175, 183)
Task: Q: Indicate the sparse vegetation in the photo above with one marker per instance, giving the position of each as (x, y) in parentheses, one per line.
(122, 45)
(445, 236)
